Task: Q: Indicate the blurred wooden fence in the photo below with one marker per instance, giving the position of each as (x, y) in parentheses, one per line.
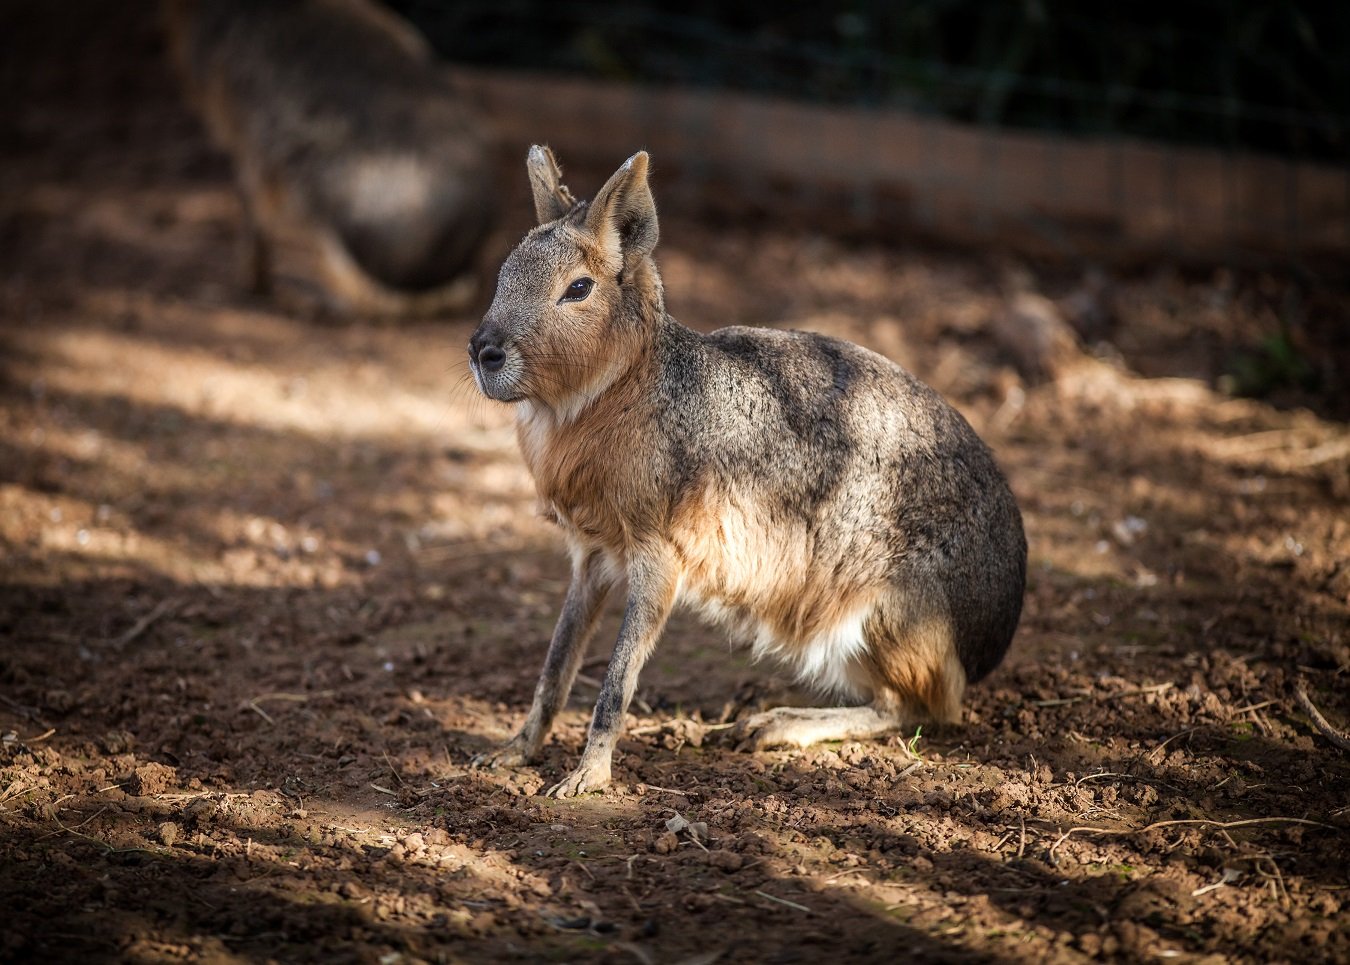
(894, 172)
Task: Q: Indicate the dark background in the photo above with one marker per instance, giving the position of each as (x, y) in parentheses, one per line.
(1265, 75)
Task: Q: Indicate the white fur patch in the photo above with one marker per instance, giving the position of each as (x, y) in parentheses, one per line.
(577, 403)
(535, 422)
(828, 662)
(539, 420)
(829, 659)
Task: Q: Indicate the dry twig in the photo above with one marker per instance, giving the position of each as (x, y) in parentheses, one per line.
(666, 790)
(108, 849)
(163, 609)
(394, 771)
(1223, 825)
(1104, 698)
(21, 787)
(1228, 877)
(784, 901)
(1338, 737)
(252, 702)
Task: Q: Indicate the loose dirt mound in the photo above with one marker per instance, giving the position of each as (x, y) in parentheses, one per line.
(269, 583)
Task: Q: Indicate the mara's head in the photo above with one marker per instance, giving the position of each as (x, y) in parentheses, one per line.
(576, 296)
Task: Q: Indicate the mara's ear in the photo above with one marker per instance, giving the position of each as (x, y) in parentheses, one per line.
(624, 212)
(552, 200)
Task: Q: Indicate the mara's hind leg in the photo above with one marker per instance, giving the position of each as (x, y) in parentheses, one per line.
(914, 674)
(260, 205)
(803, 726)
(255, 248)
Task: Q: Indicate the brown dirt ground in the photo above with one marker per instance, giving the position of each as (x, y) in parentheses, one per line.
(269, 581)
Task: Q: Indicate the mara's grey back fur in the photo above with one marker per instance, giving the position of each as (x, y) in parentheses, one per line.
(817, 499)
(339, 120)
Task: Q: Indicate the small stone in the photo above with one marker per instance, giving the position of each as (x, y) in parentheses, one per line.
(117, 742)
(728, 861)
(58, 700)
(200, 811)
(752, 843)
(149, 778)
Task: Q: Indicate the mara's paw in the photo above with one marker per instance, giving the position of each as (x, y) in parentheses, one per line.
(587, 777)
(780, 727)
(514, 753)
(803, 726)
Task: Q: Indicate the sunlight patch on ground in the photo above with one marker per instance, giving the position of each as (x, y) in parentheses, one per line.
(335, 398)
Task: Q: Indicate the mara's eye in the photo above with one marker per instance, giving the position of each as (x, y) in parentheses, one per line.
(577, 291)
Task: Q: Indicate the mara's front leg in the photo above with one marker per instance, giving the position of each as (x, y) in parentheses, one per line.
(580, 612)
(653, 580)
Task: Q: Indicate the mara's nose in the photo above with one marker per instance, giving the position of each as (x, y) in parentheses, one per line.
(484, 350)
(491, 358)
